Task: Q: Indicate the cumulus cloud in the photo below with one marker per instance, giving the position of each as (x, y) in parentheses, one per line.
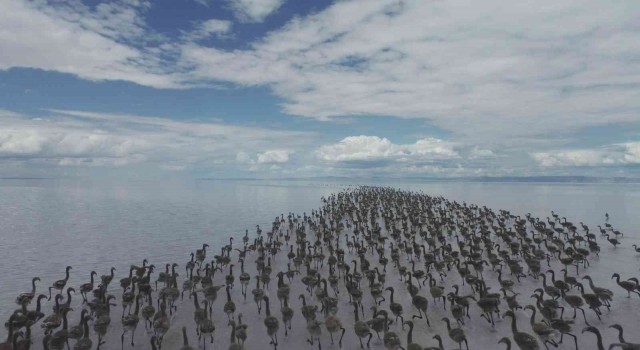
(65, 143)
(618, 154)
(373, 148)
(77, 138)
(274, 156)
(254, 10)
(480, 153)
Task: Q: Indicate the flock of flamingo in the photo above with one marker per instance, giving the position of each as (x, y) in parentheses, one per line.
(373, 267)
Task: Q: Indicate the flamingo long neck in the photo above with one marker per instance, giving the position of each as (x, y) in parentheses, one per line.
(621, 336)
(195, 301)
(82, 318)
(410, 334)
(280, 280)
(206, 307)
(185, 340)
(599, 337)
(137, 306)
(514, 325)
(10, 335)
(45, 342)
(533, 316)
(268, 308)
(39, 304)
(233, 333)
(68, 296)
(86, 328)
(65, 323)
(538, 301)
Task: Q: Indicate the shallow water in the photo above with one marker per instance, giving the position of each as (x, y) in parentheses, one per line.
(48, 224)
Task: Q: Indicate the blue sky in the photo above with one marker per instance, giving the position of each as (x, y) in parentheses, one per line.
(282, 88)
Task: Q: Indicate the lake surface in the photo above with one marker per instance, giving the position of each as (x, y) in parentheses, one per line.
(46, 225)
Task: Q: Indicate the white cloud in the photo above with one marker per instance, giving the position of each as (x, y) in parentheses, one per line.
(497, 75)
(76, 138)
(480, 153)
(274, 156)
(254, 10)
(66, 143)
(243, 158)
(72, 39)
(374, 148)
(484, 71)
(617, 154)
(206, 29)
(357, 148)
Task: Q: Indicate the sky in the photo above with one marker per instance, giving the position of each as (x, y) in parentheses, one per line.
(289, 88)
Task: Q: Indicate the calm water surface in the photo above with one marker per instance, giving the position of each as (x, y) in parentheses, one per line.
(46, 225)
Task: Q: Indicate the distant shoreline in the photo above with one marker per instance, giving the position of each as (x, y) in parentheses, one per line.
(356, 180)
(510, 179)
